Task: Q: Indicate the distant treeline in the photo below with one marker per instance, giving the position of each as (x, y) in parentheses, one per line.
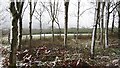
(56, 31)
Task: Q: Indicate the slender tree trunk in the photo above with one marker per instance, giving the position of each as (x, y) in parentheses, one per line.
(59, 30)
(118, 8)
(53, 30)
(119, 30)
(94, 31)
(113, 21)
(106, 24)
(30, 24)
(40, 27)
(8, 37)
(52, 8)
(66, 22)
(20, 33)
(78, 21)
(102, 24)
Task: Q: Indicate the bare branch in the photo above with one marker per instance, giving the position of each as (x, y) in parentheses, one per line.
(118, 3)
(86, 10)
(24, 10)
(35, 3)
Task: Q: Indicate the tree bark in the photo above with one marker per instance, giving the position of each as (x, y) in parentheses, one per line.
(14, 35)
(16, 12)
(113, 21)
(102, 25)
(40, 25)
(30, 24)
(95, 31)
(119, 31)
(66, 22)
(20, 33)
(78, 13)
(106, 24)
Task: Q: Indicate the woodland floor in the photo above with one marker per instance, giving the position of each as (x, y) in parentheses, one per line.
(74, 55)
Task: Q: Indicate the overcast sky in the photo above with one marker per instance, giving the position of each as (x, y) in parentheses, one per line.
(86, 20)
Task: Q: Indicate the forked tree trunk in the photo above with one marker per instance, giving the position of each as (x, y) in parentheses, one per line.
(14, 35)
(30, 23)
(16, 12)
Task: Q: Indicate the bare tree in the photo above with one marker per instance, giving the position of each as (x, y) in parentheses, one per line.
(113, 21)
(78, 13)
(31, 15)
(95, 30)
(20, 27)
(66, 4)
(39, 18)
(53, 17)
(15, 11)
(102, 24)
(53, 12)
(107, 23)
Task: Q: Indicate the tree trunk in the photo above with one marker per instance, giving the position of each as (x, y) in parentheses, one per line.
(30, 24)
(16, 15)
(40, 27)
(113, 21)
(106, 24)
(66, 22)
(78, 21)
(14, 42)
(119, 29)
(12, 57)
(94, 31)
(20, 33)
(102, 23)
(53, 29)
(8, 36)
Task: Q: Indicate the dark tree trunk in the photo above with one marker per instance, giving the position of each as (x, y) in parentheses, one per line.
(113, 21)
(40, 27)
(106, 24)
(53, 29)
(95, 31)
(16, 15)
(12, 57)
(119, 30)
(30, 24)
(66, 23)
(20, 33)
(14, 41)
(78, 21)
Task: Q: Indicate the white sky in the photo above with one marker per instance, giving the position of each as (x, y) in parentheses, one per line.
(86, 20)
